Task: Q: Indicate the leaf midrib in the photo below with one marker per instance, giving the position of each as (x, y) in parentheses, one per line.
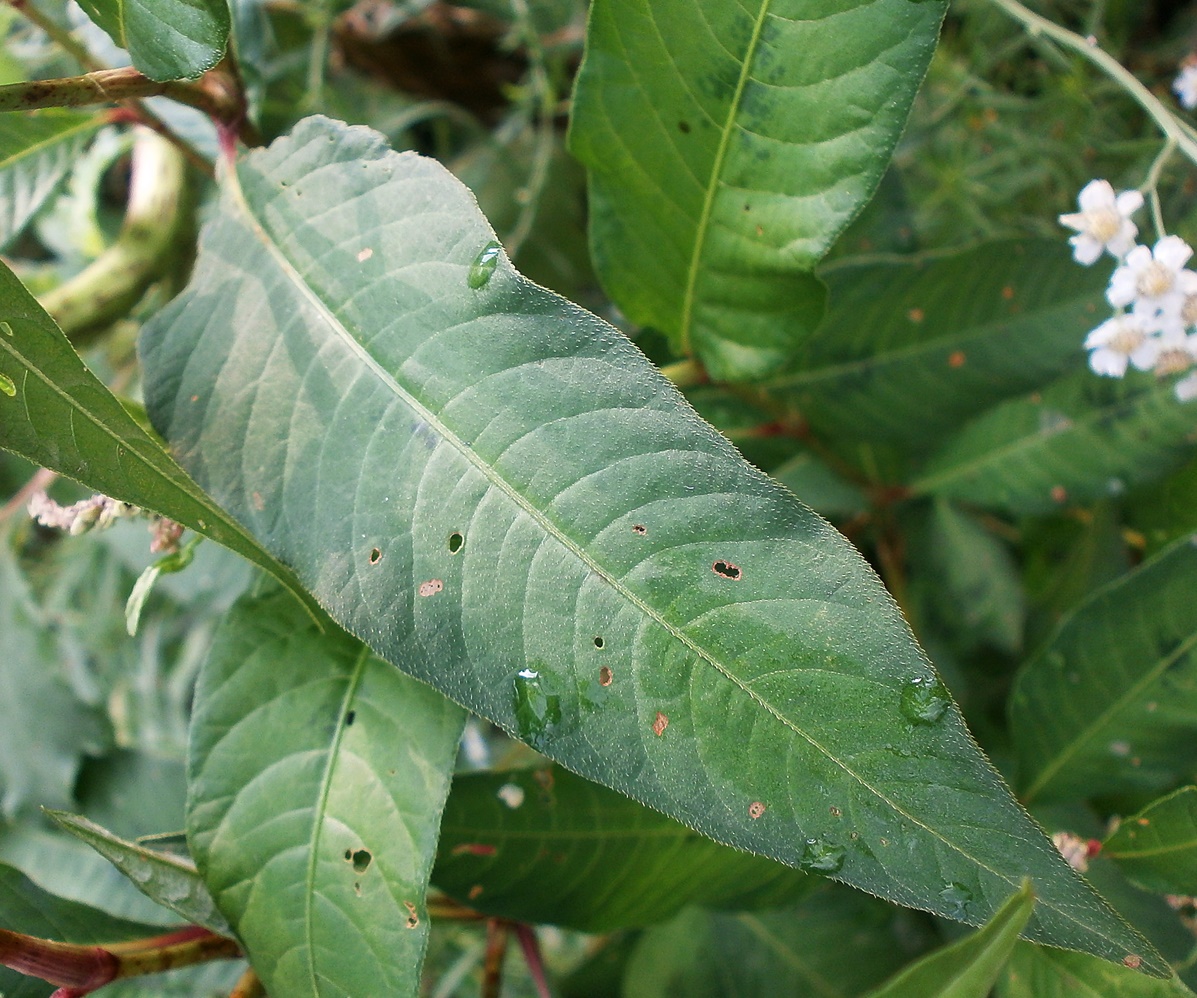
(708, 203)
(541, 519)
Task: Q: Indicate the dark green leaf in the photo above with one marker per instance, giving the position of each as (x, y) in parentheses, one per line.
(834, 944)
(546, 846)
(318, 773)
(1082, 439)
(494, 489)
(910, 348)
(728, 145)
(56, 413)
(1109, 704)
(170, 880)
(1157, 848)
(968, 968)
(166, 39)
(38, 151)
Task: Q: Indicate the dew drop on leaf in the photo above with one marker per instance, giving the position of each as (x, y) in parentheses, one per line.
(5, 328)
(484, 265)
(821, 856)
(957, 897)
(923, 700)
(537, 712)
(7, 386)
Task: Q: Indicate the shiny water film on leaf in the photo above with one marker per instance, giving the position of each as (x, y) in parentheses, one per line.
(727, 145)
(355, 411)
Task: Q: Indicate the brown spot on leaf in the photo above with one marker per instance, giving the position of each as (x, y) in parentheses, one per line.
(431, 587)
(756, 809)
(726, 570)
(606, 677)
(475, 892)
(258, 501)
(660, 724)
(357, 888)
(365, 255)
(916, 315)
(412, 918)
(1059, 494)
(640, 529)
(956, 359)
(1007, 292)
(473, 849)
(1132, 960)
(835, 811)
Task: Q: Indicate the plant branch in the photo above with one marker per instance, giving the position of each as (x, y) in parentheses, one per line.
(1167, 122)
(146, 248)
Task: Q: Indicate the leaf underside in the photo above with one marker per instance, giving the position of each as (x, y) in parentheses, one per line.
(497, 492)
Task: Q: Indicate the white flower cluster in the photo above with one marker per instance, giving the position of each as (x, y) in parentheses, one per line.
(100, 513)
(1154, 293)
(1185, 86)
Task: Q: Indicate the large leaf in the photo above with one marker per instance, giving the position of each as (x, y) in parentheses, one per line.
(1083, 438)
(1157, 848)
(318, 774)
(37, 152)
(1109, 704)
(546, 846)
(909, 348)
(166, 39)
(56, 413)
(494, 489)
(728, 144)
(968, 968)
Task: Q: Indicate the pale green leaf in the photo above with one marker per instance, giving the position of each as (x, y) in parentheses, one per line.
(727, 145)
(166, 39)
(1157, 848)
(317, 777)
(170, 880)
(496, 491)
(968, 968)
(1109, 703)
(1039, 972)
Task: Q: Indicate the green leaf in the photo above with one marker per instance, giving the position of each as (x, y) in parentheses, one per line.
(27, 908)
(495, 489)
(1082, 439)
(38, 151)
(834, 944)
(968, 968)
(317, 776)
(1109, 704)
(1038, 972)
(166, 39)
(546, 846)
(56, 413)
(170, 880)
(45, 728)
(1157, 848)
(911, 347)
(728, 145)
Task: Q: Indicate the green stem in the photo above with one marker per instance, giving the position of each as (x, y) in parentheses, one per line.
(1165, 120)
(156, 218)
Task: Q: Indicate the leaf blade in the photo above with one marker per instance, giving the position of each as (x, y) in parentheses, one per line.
(491, 410)
(1157, 848)
(166, 39)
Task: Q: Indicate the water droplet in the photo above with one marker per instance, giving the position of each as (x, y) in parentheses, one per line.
(821, 856)
(924, 700)
(956, 897)
(484, 265)
(5, 328)
(537, 712)
(7, 386)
